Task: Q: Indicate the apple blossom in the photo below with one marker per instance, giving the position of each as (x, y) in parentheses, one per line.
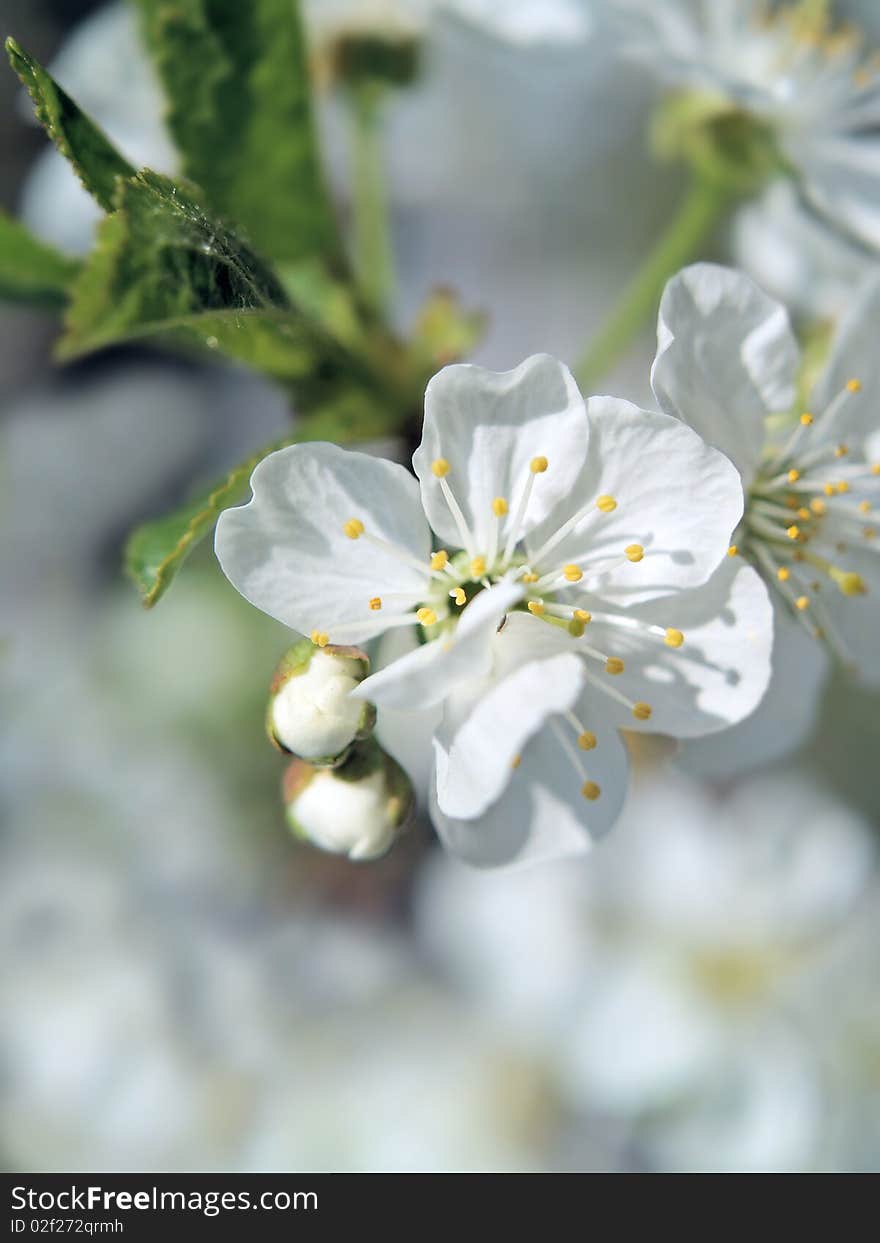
(727, 361)
(577, 583)
(785, 81)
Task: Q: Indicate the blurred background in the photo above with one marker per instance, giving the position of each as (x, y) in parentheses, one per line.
(184, 987)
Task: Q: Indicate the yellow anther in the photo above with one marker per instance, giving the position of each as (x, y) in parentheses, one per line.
(875, 469)
(606, 504)
(864, 507)
(841, 487)
(828, 489)
(674, 638)
(793, 532)
(573, 573)
(803, 513)
(440, 467)
(576, 628)
(634, 552)
(793, 475)
(353, 528)
(806, 419)
(792, 502)
(516, 761)
(426, 617)
(587, 740)
(642, 711)
(536, 608)
(849, 583)
(439, 560)
(458, 595)
(499, 507)
(478, 567)
(376, 603)
(818, 506)
(783, 574)
(590, 791)
(319, 638)
(854, 386)
(870, 532)
(841, 451)
(530, 577)
(733, 550)
(614, 665)
(582, 615)
(802, 603)
(538, 465)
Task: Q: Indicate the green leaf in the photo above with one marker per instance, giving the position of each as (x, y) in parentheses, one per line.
(31, 271)
(160, 260)
(157, 550)
(162, 268)
(237, 81)
(96, 161)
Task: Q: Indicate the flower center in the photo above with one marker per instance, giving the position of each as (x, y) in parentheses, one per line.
(559, 591)
(808, 509)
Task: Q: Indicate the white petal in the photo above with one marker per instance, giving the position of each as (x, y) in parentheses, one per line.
(676, 496)
(543, 814)
(720, 673)
(841, 179)
(854, 356)
(726, 358)
(406, 736)
(427, 675)
(482, 734)
(782, 721)
(489, 425)
(286, 551)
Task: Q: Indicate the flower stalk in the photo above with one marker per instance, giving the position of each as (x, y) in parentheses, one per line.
(703, 207)
(371, 232)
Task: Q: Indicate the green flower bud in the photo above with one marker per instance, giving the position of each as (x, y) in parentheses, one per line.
(364, 58)
(722, 142)
(311, 713)
(356, 810)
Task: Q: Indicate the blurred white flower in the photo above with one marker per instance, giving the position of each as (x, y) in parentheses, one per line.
(659, 980)
(536, 491)
(103, 65)
(727, 360)
(789, 70)
(707, 915)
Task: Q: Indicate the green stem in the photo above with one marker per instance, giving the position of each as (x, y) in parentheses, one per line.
(373, 254)
(702, 208)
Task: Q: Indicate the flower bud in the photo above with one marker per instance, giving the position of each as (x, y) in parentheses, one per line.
(311, 713)
(357, 809)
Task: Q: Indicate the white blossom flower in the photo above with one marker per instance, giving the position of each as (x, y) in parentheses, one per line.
(803, 80)
(727, 361)
(581, 586)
